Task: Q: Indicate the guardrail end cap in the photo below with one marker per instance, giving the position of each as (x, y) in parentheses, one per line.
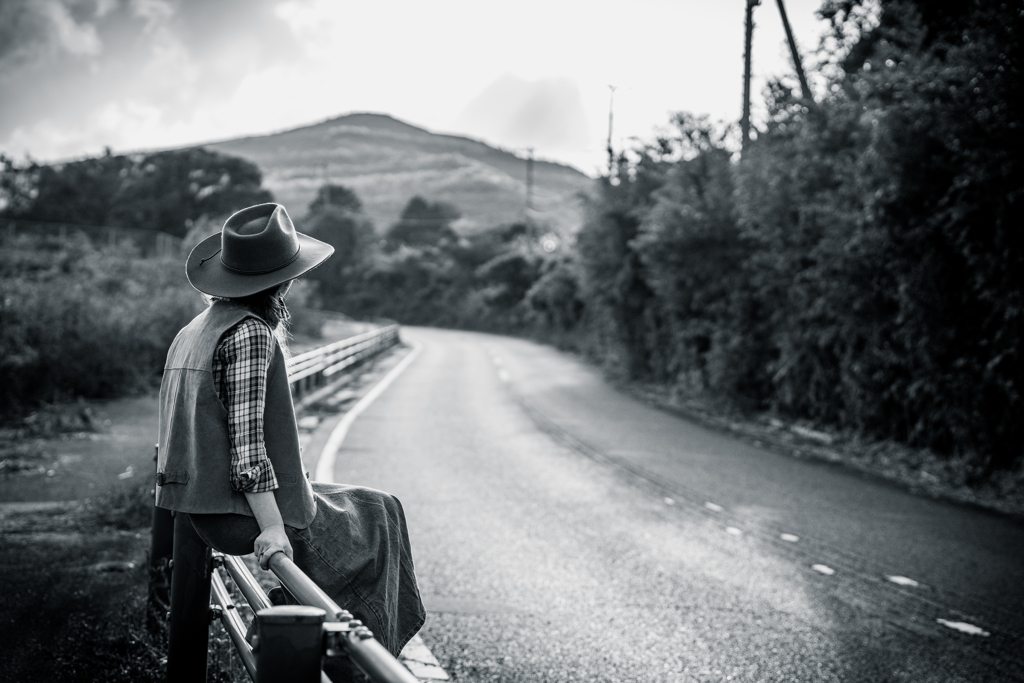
(291, 614)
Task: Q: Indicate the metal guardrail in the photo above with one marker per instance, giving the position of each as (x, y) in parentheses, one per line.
(313, 369)
(290, 641)
(298, 649)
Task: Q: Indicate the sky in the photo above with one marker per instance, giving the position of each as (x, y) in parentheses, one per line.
(77, 76)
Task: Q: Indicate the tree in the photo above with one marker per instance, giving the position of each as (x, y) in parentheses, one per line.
(623, 325)
(555, 295)
(335, 217)
(689, 244)
(884, 230)
(424, 223)
(944, 168)
(165, 191)
(339, 196)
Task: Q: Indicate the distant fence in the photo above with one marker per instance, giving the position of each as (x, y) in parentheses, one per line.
(314, 369)
(284, 643)
(148, 242)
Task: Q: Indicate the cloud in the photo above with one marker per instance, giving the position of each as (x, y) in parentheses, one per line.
(34, 29)
(70, 68)
(155, 12)
(547, 114)
(76, 75)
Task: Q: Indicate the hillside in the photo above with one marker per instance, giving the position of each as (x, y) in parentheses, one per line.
(387, 162)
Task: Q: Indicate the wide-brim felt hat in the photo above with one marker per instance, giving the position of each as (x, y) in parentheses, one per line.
(257, 249)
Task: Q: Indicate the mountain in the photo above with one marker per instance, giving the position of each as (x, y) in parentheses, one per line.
(387, 161)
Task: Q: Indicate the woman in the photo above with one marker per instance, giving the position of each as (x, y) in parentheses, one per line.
(229, 452)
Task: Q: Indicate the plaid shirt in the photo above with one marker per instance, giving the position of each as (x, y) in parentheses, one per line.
(240, 366)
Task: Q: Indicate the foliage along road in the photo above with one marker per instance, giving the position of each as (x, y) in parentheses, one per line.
(564, 532)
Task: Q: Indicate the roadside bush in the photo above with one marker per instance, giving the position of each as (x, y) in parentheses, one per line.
(167, 191)
(81, 321)
(129, 506)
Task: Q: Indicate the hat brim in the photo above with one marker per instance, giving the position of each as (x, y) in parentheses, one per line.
(206, 273)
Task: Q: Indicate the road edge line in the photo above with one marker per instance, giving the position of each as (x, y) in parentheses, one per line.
(325, 462)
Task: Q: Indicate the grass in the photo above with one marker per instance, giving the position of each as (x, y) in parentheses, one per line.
(74, 604)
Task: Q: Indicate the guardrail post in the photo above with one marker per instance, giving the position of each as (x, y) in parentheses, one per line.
(161, 548)
(289, 644)
(190, 604)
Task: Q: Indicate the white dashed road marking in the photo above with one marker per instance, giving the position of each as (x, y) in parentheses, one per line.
(964, 627)
(502, 372)
(903, 581)
(825, 570)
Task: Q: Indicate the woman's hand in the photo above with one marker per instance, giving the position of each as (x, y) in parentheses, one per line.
(272, 539)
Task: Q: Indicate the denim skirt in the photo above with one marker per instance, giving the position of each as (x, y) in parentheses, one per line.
(356, 549)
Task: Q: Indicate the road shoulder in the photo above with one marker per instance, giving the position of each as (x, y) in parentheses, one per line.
(915, 470)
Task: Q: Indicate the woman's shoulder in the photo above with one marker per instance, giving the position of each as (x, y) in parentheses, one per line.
(255, 327)
(247, 331)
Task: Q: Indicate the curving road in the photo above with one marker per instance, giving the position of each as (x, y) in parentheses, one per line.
(565, 532)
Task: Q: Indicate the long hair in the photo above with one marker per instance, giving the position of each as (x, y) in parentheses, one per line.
(269, 305)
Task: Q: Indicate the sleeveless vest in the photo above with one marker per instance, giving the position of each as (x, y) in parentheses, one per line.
(194, 460)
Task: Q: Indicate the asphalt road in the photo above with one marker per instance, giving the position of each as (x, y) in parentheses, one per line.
(565, 532)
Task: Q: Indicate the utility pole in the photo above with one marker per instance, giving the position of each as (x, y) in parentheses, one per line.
(327, 186)
(804, 90)
(611, 152)
(529, 186)
(745, 118)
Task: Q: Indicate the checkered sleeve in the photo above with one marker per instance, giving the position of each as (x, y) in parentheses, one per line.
(240, 366)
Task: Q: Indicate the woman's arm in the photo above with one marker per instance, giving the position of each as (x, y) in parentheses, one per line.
(240, 366)
(240, 375)
(272, 538)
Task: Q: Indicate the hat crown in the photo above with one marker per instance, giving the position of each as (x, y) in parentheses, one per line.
(247, 250)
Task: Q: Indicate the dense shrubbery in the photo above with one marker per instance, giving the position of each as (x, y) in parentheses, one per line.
(165, 191)
(76, 320)
(82, 320)
(858, 268)
(421, 271)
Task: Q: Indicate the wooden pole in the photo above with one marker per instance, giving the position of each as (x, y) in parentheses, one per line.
(529, 186)
(327, 186)
(804, 90)
(748, 39)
